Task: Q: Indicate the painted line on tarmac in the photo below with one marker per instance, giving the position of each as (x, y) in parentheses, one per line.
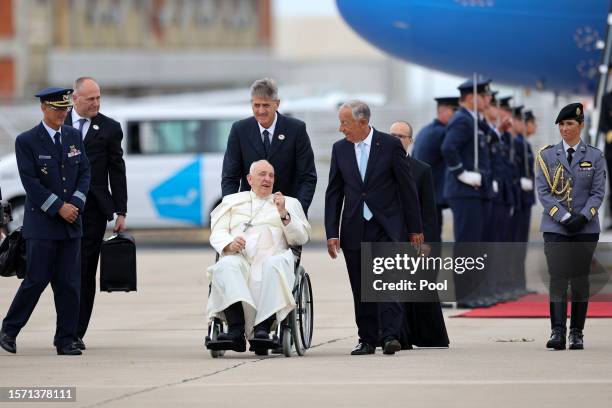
(192, 379)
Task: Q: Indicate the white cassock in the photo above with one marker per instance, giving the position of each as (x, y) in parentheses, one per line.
(262, 275)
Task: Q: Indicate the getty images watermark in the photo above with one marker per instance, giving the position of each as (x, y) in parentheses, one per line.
(397, 271)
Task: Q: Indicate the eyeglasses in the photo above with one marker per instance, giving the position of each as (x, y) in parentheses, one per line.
(399, 136)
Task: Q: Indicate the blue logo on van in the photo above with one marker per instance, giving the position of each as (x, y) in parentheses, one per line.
(180, 196)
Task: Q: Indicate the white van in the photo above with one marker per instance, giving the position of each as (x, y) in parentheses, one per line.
(173, 158)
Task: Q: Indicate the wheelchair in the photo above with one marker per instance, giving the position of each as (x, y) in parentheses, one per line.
(293, 333)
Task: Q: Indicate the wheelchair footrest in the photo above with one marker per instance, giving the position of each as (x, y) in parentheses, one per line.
(221, 345)
(263, 344)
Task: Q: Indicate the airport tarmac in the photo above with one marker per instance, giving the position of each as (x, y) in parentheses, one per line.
(146, 349)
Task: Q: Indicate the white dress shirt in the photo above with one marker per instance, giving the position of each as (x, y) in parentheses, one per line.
(75, 123)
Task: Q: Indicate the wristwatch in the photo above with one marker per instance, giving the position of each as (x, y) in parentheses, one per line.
(287, 217)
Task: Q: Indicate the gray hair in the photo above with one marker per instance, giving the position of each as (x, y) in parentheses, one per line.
(359, 109)
(255, 163)
(79, 81)
(264, 88)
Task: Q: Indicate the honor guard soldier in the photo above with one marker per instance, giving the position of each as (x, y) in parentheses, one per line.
(55, 174)
(427, 148)
(467, 186)
(570, 180)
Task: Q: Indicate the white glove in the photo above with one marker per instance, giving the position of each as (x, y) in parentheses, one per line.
(495, 187)
(470, 178)
(526, 184)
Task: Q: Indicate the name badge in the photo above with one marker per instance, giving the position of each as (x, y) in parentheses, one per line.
(42, 156)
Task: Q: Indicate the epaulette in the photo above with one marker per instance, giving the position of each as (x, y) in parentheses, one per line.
(596, 148)
(545, 147)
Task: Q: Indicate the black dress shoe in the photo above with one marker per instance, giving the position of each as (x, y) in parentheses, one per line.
(78, 343)
(363, 348)
(576, 339)
(8, 343)
(557, 339)
(238, 340)
(391, 346)
(69, 350)
(261, 334)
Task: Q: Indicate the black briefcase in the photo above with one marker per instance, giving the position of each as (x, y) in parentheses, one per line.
(118, 263)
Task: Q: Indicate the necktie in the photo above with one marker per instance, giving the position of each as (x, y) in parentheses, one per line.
(58, 143)
(266, 141)
(81, 124)
(570, 153)
(363, 164)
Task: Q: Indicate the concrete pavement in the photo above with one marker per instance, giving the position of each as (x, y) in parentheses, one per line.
(146, 349)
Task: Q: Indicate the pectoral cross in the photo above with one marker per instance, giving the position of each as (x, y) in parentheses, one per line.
(247, 225)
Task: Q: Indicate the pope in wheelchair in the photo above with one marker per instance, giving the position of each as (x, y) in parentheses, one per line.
(252, 284)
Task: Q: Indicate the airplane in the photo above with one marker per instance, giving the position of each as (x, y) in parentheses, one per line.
(551, 45)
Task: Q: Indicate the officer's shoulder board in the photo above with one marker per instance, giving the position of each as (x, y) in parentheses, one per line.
(544, 148)
(597, 150)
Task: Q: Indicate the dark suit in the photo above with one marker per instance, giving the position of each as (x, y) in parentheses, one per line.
(103, 147)
(423, 324)
(390, 193)
(291, 156)
(53, 244)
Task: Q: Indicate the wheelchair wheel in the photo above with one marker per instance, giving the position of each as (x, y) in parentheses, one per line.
(303, 315)
(287, 340)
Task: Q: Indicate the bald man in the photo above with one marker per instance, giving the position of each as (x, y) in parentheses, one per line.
(107, 198)
(423, 324)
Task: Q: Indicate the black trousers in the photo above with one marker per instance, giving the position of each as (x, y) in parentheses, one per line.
(94, 226)
(55, 262)
(375, 321)
(569, 266)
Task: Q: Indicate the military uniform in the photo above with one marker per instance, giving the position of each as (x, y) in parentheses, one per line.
(52, 174)
(467, 202)
(428, 148)
(571, 185)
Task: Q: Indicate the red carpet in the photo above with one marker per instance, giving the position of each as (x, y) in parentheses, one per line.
(537, 306)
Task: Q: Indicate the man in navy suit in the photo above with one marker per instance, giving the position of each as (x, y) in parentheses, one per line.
(371, 185)
(55, 174)
(268, 135)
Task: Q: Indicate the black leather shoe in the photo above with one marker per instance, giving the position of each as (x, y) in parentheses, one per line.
(363, 348)
(8, 343)
(391, 346)
(576, 339)
(78, 343)
(261, 334)
(69, 350)
(238, 339)
(557, 339)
